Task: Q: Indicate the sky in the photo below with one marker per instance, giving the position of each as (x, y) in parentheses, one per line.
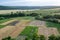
(30, 2)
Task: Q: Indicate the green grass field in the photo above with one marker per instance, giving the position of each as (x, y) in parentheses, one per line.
(25, 18)
(29, 31)
(4, 20)
(51, 24)
(2, 26)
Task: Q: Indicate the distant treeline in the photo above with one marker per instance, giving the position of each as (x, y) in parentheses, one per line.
(37, 16)
(22, 14)
(17, 14)
(26, 7)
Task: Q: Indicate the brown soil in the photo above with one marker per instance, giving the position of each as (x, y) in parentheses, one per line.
(43, 30)
(13, 31)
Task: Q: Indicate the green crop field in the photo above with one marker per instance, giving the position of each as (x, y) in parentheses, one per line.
(25, 18)
(2, 26)
(51, 24)
(4, 20)
(29, 31)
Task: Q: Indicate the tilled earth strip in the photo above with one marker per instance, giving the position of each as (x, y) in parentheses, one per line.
(13, 31)
(19, 29)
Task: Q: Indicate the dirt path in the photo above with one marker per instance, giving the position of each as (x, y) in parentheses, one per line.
(13, 31)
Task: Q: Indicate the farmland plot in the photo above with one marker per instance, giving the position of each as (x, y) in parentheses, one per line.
(51, 24)
(37, 23)
(6, 23)
(4, 20)
(43, 29)
(29, 31)
(2, 26)
(19, 28)
(13, 31)
(47, 31)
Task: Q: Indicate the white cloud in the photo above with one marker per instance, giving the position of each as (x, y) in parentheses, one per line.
(32, 2)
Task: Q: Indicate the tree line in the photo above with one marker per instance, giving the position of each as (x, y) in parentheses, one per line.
(36, 37)
(17, 14)
(42, 37)
(36, 15)
(50, 18)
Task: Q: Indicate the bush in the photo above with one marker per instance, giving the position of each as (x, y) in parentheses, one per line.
(34, 14)
(7, 38)
(42, 37)
(52, 37)
(39, 18)
(1, 18)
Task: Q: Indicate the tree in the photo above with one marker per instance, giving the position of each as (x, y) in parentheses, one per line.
(58, 38)
(1, 18)
(35, 36)
(7, 38)
(42, 37)
(26, 38)
(34, 14)
(52, 37)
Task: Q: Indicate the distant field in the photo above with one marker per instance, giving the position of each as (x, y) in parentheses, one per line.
(42, 12)
(9, 11)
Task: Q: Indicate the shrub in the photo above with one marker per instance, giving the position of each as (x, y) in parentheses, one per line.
(1, 18)
(42, 37)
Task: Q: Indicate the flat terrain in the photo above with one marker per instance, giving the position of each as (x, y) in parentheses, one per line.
(18, 27)
(4, 20)
(7, 21)
(37, 23)
(13, 31)
(55, 25)
(9, 11)
(29, 31)
(43, 29)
